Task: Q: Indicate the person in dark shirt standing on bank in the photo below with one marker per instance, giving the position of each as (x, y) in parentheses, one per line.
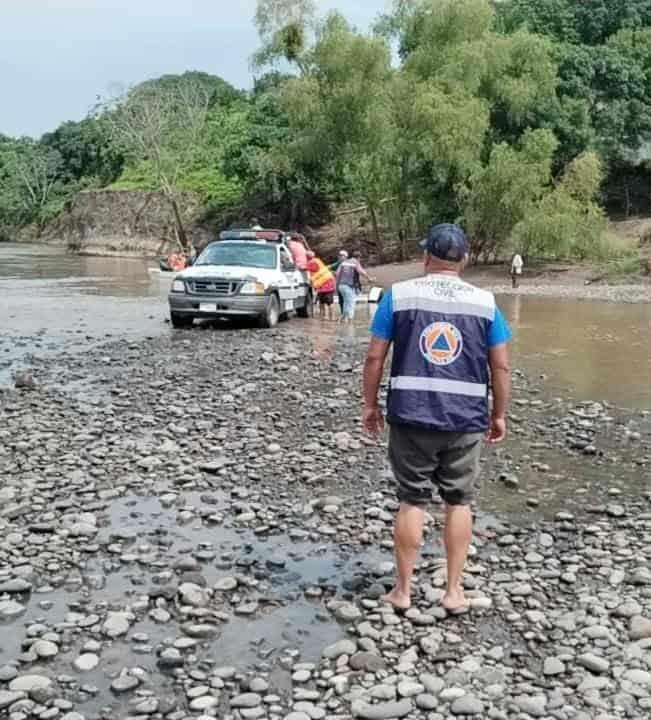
(446, 334)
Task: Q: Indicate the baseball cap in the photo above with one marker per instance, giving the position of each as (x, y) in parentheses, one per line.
(446, 242)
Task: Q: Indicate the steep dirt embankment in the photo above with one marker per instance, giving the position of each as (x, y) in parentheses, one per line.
(139, 223)
(124, 223)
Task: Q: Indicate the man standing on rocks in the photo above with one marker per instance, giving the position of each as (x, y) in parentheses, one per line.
(446, 334)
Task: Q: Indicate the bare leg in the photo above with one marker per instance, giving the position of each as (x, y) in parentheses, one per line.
(458, 534)
(407, 537)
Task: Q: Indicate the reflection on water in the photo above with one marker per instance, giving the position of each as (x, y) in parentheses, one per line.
(52, 299)
(46, 290)
(52, 271)
(590, 350)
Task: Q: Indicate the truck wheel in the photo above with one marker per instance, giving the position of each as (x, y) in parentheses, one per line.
(180, 321)
(270, 317)
(308, 309)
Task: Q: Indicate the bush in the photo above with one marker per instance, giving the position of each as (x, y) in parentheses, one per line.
(562, 228)
(136, 177)
(214, 188)
(626, 267)
(506, 190)
(567, 223)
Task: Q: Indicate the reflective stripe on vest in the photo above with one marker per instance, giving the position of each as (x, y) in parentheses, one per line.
(453, 387)
(439, 374)
(322, 275)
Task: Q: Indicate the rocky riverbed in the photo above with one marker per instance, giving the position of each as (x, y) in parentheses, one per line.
(617, 293)
(194, 526)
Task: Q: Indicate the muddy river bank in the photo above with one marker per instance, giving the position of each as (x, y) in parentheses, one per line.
(193, 525)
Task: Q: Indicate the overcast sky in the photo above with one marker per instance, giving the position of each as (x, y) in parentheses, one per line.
(57, 56)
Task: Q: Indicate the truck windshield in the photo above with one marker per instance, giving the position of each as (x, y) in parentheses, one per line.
(242, 254)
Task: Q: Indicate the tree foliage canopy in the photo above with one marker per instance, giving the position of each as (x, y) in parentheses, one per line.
(497, 115)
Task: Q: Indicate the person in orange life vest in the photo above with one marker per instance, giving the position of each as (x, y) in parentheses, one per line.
(297, 247)
(323, 282)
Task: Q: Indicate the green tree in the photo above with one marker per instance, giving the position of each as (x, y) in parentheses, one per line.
(604, 93)
(284, 27)
(520, 80)
(86, 152)
(386, 138)
(160, 128)
(590, 23)
(453, 43)
(12, 211)
(502, 193)
(567, 222)
(556, 18)
(438, 142)
(32, 173)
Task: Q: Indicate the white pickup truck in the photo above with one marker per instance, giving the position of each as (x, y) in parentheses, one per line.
(246, 273)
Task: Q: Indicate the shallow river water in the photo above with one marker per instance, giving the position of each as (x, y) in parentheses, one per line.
(588, 350)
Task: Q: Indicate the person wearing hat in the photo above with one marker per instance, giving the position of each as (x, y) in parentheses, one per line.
(349, 274)
(341, 256)
(446, 336)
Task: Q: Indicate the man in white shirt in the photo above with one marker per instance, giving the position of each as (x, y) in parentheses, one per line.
(516, 269)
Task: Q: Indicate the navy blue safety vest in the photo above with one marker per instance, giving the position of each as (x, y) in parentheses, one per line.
(439, 374)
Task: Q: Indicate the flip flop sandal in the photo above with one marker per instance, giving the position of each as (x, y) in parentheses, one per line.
(454, 612)
(396, 608)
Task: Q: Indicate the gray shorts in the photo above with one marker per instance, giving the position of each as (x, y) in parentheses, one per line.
(422, 458)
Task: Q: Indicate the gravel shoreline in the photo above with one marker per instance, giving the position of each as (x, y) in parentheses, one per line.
(553, 280)
(194, 526)
(631, 294)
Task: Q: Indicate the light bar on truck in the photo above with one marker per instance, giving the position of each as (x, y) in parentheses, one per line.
(272, 235)
(238, 235)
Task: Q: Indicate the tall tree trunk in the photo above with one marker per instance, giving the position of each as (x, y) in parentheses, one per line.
(627, 201)
(183, 238)
(403, 205)
(376, 234)
(401, 244)
(293, 212)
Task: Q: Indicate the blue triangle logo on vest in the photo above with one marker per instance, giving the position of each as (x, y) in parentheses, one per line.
(441, 343)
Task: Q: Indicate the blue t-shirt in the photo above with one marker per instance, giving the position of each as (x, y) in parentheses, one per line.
(382, 326)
